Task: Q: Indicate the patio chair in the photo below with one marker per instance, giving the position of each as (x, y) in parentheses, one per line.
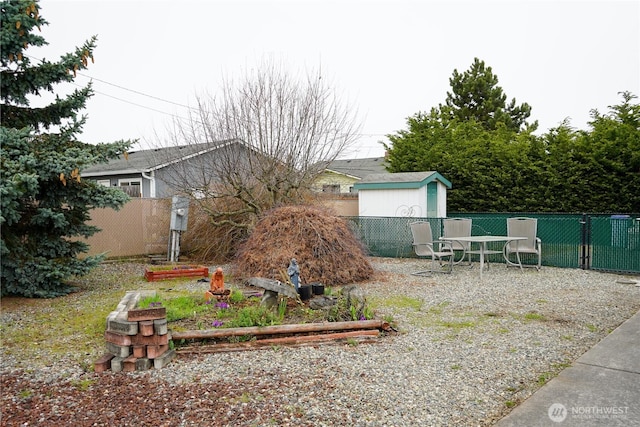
(458, 227)
(425, 246)
(523, 227)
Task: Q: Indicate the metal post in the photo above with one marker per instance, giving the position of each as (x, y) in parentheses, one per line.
(585, 242)
(174, 249)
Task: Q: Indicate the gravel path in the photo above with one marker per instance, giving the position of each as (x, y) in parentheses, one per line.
(467, 351)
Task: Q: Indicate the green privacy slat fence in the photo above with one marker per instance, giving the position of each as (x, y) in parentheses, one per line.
(615, 243)
(568, 240)
(560, 235)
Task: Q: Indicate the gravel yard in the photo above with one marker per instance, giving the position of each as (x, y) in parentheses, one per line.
(467, 351)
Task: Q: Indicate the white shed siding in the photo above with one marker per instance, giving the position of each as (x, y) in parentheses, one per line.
(393, 202)
(403, 194)
(442, 200)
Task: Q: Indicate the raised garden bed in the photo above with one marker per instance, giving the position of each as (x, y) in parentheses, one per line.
(162, 273)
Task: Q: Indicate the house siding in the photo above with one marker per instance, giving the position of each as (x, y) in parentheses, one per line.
(189, 163)
(331, 178)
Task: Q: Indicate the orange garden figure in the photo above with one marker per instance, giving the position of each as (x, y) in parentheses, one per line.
(217, 281)
(217, 285)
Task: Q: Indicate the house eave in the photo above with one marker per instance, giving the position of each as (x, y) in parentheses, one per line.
(116, 172)
(343, 174)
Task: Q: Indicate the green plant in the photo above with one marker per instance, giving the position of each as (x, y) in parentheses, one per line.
(510, 403)
(254, 316)
(534, 316)
(352, 342)
(25, 393)
(149, 301)
(236, 296)
(242, 338)
(544, 377)
(282, 308)
(561, 365)
(83, 385)
(184, 306)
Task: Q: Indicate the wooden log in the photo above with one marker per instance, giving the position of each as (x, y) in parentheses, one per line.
(153, 275)
(280, 329)
(209, 349)
(288, 341)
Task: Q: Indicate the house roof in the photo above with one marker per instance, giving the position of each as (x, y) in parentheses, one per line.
(152, 159)
(358, 168)
(400, 180)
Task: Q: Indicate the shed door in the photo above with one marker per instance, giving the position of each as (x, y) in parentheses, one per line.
(432, 200)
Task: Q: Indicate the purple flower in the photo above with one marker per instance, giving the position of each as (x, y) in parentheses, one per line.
(208, 301)
(363, 318)
(222, 305)
(217, 323)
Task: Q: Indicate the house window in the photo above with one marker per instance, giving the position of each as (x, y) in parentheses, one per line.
(133, 187)
(104, 182)
(331, 188)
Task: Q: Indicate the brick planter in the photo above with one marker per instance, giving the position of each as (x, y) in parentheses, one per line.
(179, 271)
(137, 338)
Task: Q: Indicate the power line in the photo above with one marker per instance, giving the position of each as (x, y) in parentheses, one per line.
(129, 90)
(133, 103)
(138, 92)
(158, 99)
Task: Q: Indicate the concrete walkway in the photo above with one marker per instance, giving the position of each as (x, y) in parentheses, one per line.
(602, 388)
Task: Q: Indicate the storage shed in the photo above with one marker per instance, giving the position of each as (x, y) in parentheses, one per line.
(404, 194)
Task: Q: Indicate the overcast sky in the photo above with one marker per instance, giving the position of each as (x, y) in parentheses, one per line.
(389, 58)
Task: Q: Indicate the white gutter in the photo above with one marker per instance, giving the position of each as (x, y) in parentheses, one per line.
(152, 183)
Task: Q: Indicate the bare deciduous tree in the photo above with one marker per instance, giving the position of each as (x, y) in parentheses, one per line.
(269, 136)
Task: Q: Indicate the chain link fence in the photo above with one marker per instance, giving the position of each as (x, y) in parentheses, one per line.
(615, 242)
(602, 242)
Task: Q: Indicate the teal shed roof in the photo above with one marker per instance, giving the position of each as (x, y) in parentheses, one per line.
(385, 181)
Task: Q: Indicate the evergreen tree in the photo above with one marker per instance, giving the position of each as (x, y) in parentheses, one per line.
(477, 142)
(45, 203)
(608, 160)
(475, 95)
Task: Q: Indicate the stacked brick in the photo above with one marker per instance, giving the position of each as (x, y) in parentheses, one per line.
(137, 338)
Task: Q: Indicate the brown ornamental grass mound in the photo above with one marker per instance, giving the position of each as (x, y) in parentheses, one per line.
(326, 249)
